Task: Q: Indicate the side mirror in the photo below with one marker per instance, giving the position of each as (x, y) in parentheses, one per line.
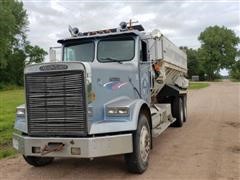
(54, 54)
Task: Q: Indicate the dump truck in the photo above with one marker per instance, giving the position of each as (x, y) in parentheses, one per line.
(112, 92)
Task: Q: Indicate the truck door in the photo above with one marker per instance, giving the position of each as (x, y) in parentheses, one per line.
(144, 72)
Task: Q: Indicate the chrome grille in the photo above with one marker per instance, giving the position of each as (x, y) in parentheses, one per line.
(56, 103)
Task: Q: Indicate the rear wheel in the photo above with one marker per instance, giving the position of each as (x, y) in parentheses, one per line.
(178, 112)
(137, 162)
(38, 161)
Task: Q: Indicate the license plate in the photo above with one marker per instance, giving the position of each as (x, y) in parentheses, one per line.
(15, 144)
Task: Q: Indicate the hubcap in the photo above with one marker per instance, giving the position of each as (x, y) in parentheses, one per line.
(144, 143)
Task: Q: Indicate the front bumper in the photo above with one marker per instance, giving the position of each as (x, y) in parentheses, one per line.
(89, 147)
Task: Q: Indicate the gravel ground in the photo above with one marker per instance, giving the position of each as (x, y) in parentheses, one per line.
(207, 147)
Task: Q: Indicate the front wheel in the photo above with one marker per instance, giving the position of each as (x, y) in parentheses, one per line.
(137, 162)
(38, 161)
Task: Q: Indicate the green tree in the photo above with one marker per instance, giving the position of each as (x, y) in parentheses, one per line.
(218, 49)
(193, 62)
(34, 54)
(15, 67)
(235, 70)
(13, 22)
(15, 50)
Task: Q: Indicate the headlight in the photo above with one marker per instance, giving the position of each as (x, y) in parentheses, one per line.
(21, 123)
(117, 111)
(20, 111)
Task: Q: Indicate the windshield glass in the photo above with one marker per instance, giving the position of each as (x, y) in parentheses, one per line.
(116, 49)
(79, 52)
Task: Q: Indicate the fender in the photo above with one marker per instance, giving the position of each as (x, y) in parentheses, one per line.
(136, 111)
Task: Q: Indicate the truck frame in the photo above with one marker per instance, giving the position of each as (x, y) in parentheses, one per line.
(112, 91)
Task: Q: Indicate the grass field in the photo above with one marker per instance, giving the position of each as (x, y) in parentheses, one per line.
(198, 85)
(9, 100)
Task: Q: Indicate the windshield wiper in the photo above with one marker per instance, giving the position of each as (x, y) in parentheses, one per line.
(110, 59)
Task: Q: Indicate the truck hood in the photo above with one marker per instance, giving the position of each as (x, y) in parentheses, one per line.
(108, 81)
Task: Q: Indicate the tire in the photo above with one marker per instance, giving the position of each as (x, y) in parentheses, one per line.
(137, 161)
(177, 112)
(38, 161)
(184, 98)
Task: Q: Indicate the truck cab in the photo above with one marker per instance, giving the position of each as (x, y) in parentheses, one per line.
(106, 96)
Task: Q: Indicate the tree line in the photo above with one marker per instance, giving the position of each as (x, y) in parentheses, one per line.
(218, 51)
(15, 50)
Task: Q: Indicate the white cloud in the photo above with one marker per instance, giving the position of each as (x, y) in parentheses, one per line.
(57, 6)
(181, 21)
(145, 17)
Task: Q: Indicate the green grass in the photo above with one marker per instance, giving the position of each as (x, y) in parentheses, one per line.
(9, 100)
(5, 87)
(198, 85)
(235, 80)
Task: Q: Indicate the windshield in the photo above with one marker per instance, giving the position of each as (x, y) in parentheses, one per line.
(116, 49)
(79, 52)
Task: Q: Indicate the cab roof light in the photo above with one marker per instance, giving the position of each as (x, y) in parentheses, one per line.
(124, 26)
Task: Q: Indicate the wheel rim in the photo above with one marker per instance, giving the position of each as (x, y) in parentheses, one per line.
(144, 143)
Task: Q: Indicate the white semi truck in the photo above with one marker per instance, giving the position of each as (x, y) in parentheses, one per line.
(111, 93)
